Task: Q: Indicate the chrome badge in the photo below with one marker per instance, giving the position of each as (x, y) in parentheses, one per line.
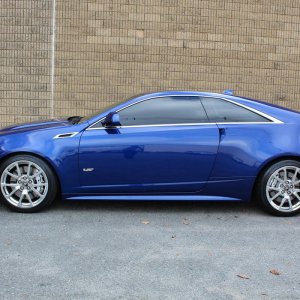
(88, 169)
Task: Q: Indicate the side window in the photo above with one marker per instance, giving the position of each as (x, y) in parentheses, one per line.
(165, 110)
(222, 111)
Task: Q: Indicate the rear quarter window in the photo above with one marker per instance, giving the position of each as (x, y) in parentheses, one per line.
(222, 111)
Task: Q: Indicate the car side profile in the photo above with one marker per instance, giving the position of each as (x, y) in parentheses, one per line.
(175, 145)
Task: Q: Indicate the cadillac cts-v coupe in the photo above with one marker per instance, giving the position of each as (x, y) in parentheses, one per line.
(159, 146)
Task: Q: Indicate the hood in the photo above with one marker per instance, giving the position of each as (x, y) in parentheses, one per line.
(36, 125)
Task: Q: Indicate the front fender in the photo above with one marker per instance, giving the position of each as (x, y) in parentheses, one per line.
(60, 153)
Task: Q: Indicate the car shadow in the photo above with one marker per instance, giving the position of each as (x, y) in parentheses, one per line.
(159, 206)
(154, 206)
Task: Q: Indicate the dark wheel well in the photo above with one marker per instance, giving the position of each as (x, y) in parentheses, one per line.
(269, 164)
(3, 159)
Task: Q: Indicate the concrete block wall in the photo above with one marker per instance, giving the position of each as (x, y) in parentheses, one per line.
(73, 57)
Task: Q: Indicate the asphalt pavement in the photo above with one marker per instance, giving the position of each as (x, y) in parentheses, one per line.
(149, 250)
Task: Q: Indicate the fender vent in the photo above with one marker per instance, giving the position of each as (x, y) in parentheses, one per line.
(65, 135)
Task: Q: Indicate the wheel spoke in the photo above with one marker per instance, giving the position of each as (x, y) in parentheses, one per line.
(290, 203)
(275, 196)
(282, 202)
(21, 199)
(277, 178)
(10, 184)
(11, 174)
(18, 169)
(12, 192)
(295, 175)
(285, 173)
(273, 188)
(297, 196)
(39, 184)
(28, 169)
(36, 192)
(28, 198)
(36, 174)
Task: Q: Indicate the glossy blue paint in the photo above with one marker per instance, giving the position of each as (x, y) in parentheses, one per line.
(148, 159)
(182, 162)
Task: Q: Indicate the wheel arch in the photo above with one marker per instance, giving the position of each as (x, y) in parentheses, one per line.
(269, 163)
(44, 159)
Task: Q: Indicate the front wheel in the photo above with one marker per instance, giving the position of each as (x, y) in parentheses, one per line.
(279, 188)
(27, 183)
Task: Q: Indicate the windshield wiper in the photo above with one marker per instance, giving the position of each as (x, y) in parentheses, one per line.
(74, 119)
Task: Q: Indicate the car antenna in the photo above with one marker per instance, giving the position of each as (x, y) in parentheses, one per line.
(228, 92)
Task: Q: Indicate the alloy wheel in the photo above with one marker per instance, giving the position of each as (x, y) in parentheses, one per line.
(24, 184)
(283, 188)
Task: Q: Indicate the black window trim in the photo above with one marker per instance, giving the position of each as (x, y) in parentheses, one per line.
(271, 119)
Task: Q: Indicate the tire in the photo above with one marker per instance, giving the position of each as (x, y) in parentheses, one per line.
(278, 190)
(27, 183)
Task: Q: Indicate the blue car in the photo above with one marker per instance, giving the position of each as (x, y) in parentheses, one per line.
(173, 145)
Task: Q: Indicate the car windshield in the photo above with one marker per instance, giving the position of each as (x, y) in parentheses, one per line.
(107, 107)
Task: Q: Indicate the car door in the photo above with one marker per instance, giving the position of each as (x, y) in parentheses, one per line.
(164, 145)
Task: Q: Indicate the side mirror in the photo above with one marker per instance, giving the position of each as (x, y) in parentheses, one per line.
(111, 120)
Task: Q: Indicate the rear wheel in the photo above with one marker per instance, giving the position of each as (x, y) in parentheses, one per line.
(279, 188)
(27, 183)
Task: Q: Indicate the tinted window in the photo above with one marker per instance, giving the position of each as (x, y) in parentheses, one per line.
(219, 110)
(166, 110)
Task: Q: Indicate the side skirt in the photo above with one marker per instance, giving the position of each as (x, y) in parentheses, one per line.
(151, 198)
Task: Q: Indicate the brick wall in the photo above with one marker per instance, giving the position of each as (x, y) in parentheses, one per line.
(108, 50)
(25, 40)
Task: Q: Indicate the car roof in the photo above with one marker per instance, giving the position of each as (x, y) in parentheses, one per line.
(177, 93)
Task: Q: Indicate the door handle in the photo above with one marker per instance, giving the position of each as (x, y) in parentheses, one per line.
(222, 132)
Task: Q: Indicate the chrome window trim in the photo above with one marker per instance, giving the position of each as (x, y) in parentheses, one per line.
(272, 119)
(182, 124)
(154, 125)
